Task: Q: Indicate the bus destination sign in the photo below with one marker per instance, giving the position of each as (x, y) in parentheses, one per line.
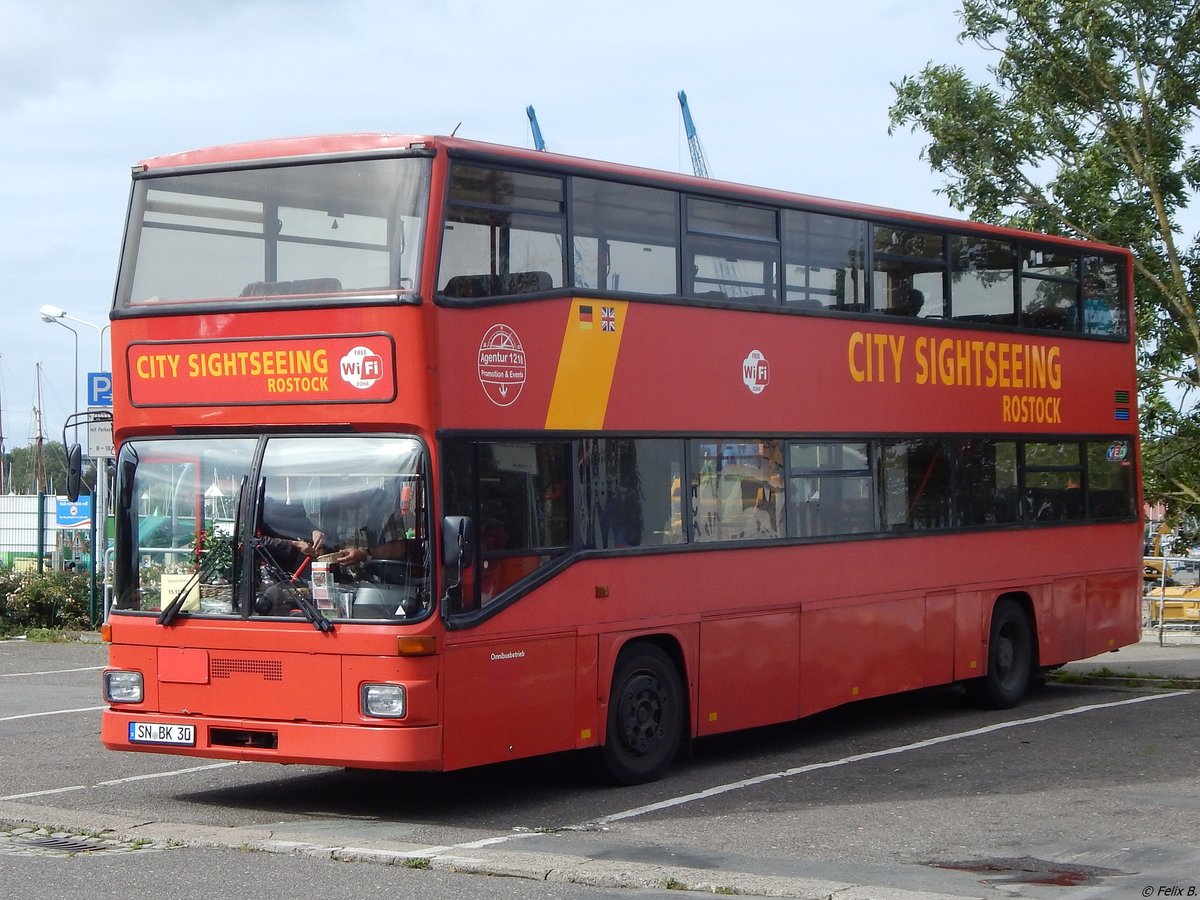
(357, 368)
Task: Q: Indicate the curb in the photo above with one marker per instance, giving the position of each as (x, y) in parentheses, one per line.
(1137, 681)
(1125, 680)
(465, 859)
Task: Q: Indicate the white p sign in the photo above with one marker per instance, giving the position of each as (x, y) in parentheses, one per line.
(100, 388)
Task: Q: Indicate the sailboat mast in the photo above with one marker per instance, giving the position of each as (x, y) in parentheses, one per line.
(40, 467)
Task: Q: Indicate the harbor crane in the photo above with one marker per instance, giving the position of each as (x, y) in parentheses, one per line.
(538, 143)
(699, 165)
(726, 270)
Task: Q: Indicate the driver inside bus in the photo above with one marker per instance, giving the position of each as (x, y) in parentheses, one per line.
(395, 544)
(394, 540)
(288, 534)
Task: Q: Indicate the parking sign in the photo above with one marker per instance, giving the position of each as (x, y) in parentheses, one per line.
(100, 434)
(99, 388)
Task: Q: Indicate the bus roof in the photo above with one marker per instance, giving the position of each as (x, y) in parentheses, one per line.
(317, 147)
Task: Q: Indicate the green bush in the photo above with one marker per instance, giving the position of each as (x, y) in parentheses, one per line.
(57, 600)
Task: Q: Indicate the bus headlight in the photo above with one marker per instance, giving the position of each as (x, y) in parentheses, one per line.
(123, 687)
(384, 701)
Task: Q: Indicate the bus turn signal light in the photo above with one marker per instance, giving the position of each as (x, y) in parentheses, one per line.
(416, 645)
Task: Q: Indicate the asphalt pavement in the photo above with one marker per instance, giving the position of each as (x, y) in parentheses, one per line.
(1167, 658)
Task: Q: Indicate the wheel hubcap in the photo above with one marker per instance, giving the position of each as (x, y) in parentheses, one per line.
(644, 707)
(1005, 656)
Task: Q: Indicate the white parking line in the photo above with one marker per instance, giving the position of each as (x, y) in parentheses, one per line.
(61, 790)
(171, 774)
(861, 757)
(798, 770)
(51, 672)
(84, 787)
(52, 712)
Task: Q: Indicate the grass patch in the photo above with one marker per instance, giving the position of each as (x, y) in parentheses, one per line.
(1105, 675)
(49, 636)
(1060, 676)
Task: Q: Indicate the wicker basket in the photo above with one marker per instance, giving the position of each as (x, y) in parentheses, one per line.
(216, 598)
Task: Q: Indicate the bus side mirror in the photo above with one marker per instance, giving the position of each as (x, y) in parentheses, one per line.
(458, 534)
(74, 471)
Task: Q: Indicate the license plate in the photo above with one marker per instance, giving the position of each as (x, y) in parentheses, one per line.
(158, 733)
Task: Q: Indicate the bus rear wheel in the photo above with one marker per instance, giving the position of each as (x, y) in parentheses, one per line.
(1010, 658)
(645, 716)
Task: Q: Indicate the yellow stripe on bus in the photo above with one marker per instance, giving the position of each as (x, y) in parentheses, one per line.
(586, 364)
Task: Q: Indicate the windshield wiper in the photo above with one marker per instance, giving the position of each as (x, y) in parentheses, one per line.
(172, 609)
(288, 583)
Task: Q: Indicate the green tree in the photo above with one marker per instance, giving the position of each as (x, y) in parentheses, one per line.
(1082, 129)
(23, 468)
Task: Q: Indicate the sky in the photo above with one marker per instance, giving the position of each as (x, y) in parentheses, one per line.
(790, 94)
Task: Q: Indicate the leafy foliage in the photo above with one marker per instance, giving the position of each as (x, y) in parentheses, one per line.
(57, 600)
(1082, 130)
(213, 553)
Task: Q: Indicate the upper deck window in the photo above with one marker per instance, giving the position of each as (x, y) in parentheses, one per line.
(910, 272)
(1050, 289)
(1104, 310)
(275, 234)
(823, 260)
(504, 233)
(732, 252)
(982, 279)
(626, 237)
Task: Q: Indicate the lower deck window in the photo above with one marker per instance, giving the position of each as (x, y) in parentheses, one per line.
(737, 490)
(534, 501)
(517, 492)
(831, 489)
(630, 492)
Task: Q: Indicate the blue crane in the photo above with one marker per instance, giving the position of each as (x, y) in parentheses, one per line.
(699, 166)
(538, 143)
(726, 271)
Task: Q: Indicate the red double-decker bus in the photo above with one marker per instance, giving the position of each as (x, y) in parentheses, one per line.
(435, 453)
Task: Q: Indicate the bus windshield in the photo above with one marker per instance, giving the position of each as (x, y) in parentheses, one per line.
(272, 235)
(320, 527)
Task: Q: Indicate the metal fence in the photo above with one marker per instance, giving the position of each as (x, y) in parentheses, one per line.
(63, 545)
(1171, 599)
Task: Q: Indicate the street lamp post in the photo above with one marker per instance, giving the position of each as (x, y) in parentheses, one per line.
(51, 313)
(56, 321)
(54, 313)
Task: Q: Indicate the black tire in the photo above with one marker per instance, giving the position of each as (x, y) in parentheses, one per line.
(1010, 658)
(645, 716)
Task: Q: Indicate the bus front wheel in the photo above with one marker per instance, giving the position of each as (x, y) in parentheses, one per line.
(1010, 658)
(645, 716)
